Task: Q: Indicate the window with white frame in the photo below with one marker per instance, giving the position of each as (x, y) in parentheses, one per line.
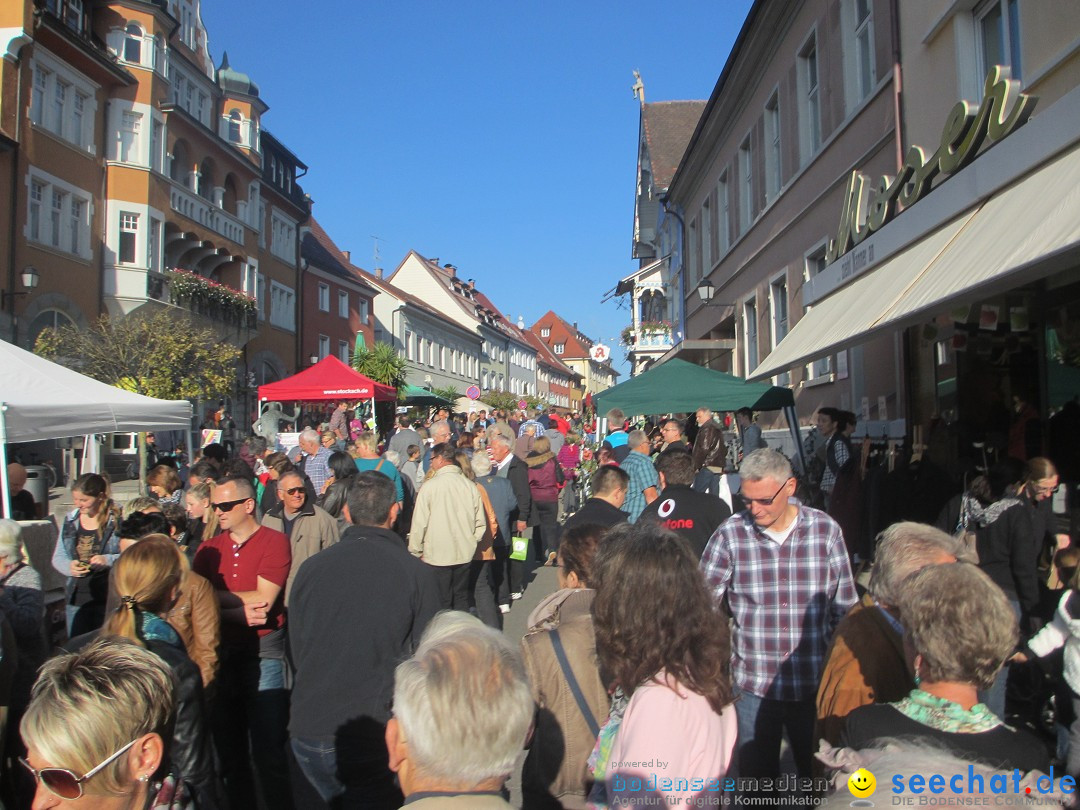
(815, 263)
(997, 37)
(344, 352)
(62, 102)
(408, 345)
(545, 332)
(128, 237)
(233, 132)
(342, 304)
(746, 185)
(260, 295)
(706, 238)
(454, 361)
(324, 297)
(56, 216)
(133, 44)
(778, 303)
(693, 254)
(750, 335)
(157, 145)
(130, 126)
(442, 358)
(363, 311)
(153, 245)
(773, 149)
(282, 237)
(806, 80)
(560, 348)
(723, 199)
(282, 306)
(865, 68)
(324, 346)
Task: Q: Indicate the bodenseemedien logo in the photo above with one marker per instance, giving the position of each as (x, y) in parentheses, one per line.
(862, 785)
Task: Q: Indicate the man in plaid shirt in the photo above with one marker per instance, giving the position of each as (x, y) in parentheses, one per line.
(784, 570)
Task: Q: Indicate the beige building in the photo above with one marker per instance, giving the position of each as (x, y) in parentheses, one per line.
(807, 94)
(974, 261)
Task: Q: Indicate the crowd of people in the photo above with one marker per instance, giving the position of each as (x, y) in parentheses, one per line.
(322, 627)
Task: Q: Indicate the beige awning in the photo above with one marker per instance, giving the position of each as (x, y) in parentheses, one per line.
(1029, 230)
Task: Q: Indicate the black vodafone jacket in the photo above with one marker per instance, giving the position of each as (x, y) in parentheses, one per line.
(694, 515)
(358, 609)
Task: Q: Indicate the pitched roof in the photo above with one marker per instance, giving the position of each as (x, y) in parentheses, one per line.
(319, 249)
(547, 357)
(668, 126)
(382, 285)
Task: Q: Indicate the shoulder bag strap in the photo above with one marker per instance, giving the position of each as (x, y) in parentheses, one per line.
(575, 688)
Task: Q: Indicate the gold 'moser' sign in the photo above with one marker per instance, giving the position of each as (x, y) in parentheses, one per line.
(964, 132)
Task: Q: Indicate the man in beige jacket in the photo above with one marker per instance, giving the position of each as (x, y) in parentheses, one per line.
(448, 522)
(309, 528)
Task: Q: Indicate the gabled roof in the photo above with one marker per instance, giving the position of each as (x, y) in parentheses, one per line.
(319, 249)
(384, 286)
(668, 126)
(576, 343)
(545, 356)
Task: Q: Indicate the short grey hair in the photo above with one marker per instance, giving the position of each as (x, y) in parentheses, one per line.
(960, 622)
(901, 550)
(481, 464)
(499, 437)
(636, 438)
(393, 456)
(463, 701)
(309, 435)
(765, 463)
(615, 415)
(440, 425)
(11, 544)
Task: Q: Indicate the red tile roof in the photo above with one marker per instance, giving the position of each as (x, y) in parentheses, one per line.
(668, 127)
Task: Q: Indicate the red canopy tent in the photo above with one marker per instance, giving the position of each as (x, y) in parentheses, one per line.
(326, 381)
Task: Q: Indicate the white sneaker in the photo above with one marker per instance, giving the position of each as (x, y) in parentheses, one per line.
(516, 595)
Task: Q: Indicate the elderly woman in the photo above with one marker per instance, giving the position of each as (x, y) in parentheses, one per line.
(555, 772)
(668, 658)
(165, 484)
(958, 631)
(368, 458)
(98, 730)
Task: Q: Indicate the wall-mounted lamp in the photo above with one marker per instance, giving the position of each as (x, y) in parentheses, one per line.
(706, 291)
(29, 278)
(313, 359)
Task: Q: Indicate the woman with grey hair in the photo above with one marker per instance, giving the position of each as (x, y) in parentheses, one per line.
(959, 629)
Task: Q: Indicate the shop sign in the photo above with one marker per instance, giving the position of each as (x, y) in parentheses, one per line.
(1003, 109)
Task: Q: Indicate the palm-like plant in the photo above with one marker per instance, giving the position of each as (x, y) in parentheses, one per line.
(447, 392)
(382, 364)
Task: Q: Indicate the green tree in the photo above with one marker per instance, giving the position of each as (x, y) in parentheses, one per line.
(382, 364)
(162, 355)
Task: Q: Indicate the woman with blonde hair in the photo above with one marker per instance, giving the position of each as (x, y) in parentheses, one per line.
(204, 520)
(147, 577)
(97, 730)
(88, 545)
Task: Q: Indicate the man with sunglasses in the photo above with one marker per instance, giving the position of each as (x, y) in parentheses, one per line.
(783, 570)
(309, 528)
(248, 565)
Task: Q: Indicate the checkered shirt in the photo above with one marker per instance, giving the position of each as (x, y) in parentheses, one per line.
(642, 476)
(317, 468)
(786, 600)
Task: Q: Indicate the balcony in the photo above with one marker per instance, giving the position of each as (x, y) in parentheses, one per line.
(195, 208)
(647, 336)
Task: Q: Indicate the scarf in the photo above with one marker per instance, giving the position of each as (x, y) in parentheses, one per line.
(971, 509)
(944, 715)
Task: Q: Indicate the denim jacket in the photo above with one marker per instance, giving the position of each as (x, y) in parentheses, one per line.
(65, 552)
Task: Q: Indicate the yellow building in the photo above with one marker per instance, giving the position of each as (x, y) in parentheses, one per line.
(133, 173)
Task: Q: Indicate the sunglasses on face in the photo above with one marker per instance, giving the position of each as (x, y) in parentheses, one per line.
(228, 506)
(763, 501)
(293, 490)
(63, 782)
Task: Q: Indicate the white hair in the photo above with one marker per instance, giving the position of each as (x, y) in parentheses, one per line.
(765, 463)
(393, 456)
(636, 438)
(481, 464)
(11, 545)
(309, 435)
(904, 548)
(463, 701)
(440, 425)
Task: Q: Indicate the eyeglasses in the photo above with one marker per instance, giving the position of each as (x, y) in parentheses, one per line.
(669, 429)
(764, 501)
(1038, 490)
(63, 782)
(228, 506)
(293, 491)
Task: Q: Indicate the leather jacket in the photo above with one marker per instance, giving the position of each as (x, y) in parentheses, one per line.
(709, 447)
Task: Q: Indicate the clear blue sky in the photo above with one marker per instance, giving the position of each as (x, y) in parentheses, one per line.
(499, 136)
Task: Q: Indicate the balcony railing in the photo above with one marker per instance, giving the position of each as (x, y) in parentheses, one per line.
(159, 288)
(205, 213)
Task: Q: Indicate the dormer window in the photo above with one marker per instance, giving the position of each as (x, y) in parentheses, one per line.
(133, 38)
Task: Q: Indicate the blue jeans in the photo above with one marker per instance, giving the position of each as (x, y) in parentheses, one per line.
(351, 773)
(250, 721)
(762, 722)
(994, 697)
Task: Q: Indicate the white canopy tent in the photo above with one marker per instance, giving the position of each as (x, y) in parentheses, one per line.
(40, 399)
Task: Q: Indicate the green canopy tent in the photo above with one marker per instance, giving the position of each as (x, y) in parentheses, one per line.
(679, 386)
(415, 395)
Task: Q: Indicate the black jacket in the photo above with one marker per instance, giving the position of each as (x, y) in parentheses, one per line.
(1005, 550)
(595, 511)
(357, 610)
(694, 515)
(517, 473)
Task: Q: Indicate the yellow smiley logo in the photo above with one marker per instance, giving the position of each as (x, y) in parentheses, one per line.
(862, 783)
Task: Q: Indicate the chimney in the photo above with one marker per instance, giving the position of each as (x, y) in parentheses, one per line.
(575, 326)
(347, 254)
(472, 284)
(378, 272)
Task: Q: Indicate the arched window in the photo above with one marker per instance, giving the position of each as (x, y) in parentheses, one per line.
(49, 319)
(133, 39)
(180, 168)
(234, 126)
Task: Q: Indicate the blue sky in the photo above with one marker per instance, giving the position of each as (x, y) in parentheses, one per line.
(500, 137)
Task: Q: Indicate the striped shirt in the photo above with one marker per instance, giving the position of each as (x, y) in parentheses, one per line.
(786, 599)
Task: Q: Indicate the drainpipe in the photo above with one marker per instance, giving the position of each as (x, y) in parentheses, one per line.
(898, 83)
(682, 252)
(14, 202)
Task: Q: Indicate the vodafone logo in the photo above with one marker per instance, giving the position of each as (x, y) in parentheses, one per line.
(666, 508)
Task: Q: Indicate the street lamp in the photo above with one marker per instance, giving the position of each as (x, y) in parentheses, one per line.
(29, 278)
(706, 291)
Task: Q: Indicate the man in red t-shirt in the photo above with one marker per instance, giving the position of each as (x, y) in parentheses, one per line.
(248, 566)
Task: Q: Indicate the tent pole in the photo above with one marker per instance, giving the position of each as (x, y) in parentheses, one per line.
(793, 426)
(4, 461)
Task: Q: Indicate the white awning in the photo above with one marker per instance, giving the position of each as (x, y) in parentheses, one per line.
(1009, 239)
